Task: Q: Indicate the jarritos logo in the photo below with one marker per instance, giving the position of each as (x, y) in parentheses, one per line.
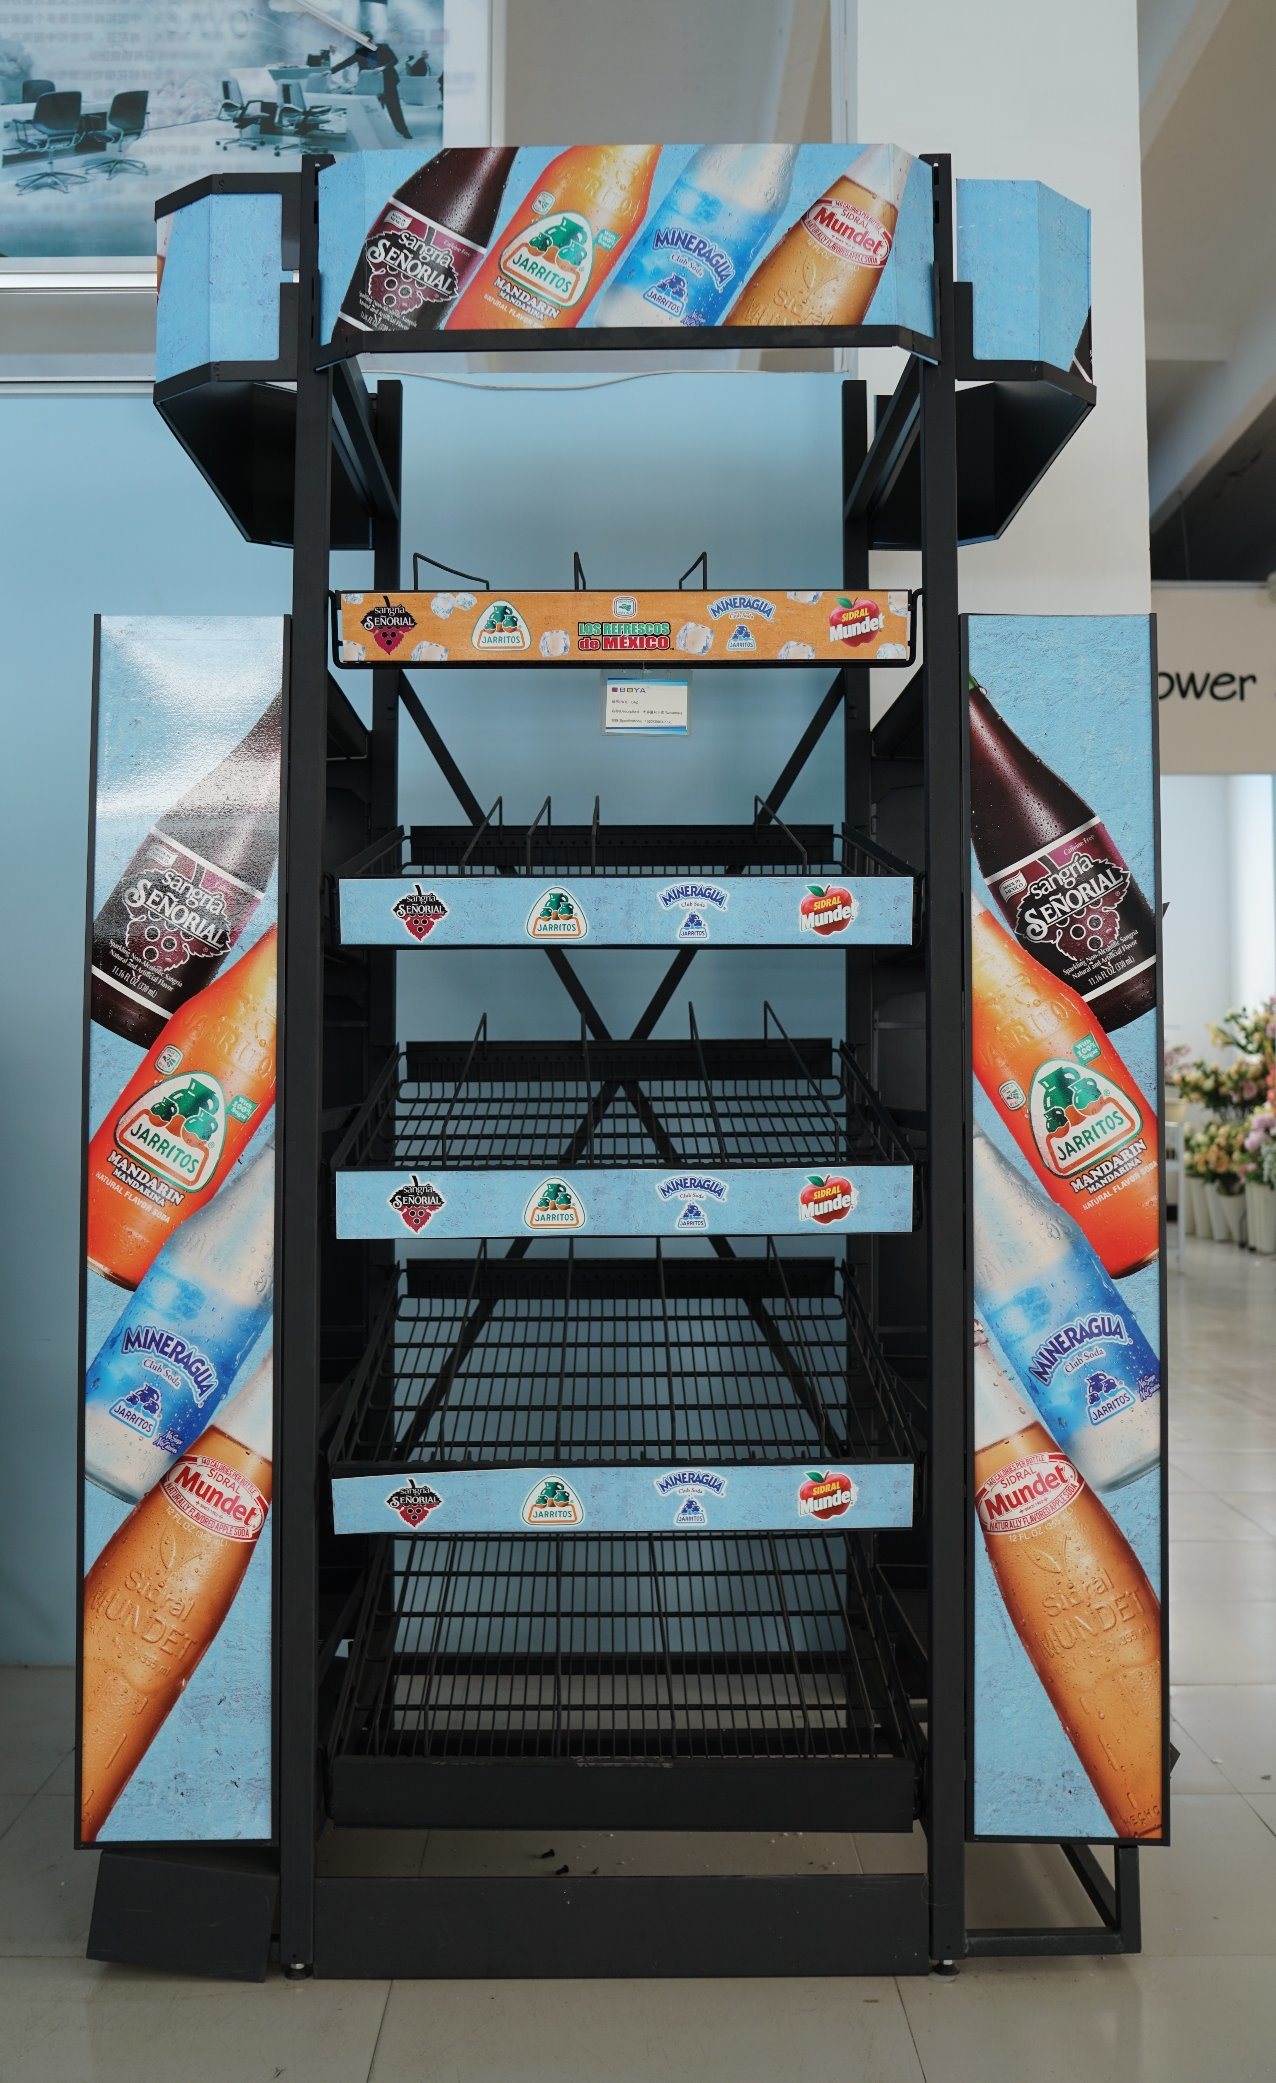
(841, 228)
(500, 627)
(826, 1197)
(555, 1206)
(420, 911)
(827, 1495)
(388, 623)
(552, 1502)
(1025, 1493)
(557, 915)
(216, 1497)
(413, 1502)
(176, 1130)
(827, 908)
(855, 622)
(416, 1203)
(554, 258)
(1078, 1116)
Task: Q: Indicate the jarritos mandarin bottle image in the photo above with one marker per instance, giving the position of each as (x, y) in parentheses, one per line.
(161, 1588)
(1066, 1097)
(827, 268)
(1057, 875)
(562, 241)
(426, 243)
(1078, 1598)
(171, 1137)
(190, 889)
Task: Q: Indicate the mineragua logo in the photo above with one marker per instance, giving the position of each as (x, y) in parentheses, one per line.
(1078, 1117)
(741, 607)
(420, 911)
(140, 1411)
(180, 1363)
(1027, 1493)
(554, 1206)
(691, 1486)
(674, 238)
(693, 900)
(388, 623)
(692, 1189)
(413, 1502)
(177, 1130)
(557, 915)
(552, 1502)
(415, 1203)
(1086, 1337)
(553, 258)
(216, 1497)
(500, 627)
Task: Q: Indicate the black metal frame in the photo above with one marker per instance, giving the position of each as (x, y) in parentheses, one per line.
(328, 477)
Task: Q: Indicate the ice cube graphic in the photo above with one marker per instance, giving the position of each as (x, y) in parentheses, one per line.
(355, 599)
(442, 605)
(465, 600)
(353, 654)
(426, 653)
(694, 638)
(897, 603)
(885, 651)
(795, 650)
(554, 643)
(808, 600)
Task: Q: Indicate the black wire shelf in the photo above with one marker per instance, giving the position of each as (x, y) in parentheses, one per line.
(760, 1666)
(646, 1360)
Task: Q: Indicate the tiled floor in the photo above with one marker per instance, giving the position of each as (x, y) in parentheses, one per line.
(1199, 2005)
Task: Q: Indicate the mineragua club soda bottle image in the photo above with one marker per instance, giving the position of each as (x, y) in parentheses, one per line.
(161, 1588)
(562, 241)
(426, 243)
(827, 267)
(1058, 877)
(1066, 1097)
(169, 1361)
(1072, 1343)
(691, 257)
(190, 889)
(173, 1134)
(1077, 1596)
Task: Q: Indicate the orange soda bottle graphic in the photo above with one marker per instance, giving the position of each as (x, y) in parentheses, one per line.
(562, 241)
(161, 1588)
(827, 267)
(1066, 1097)
(172, 1136)
(1077, 1595)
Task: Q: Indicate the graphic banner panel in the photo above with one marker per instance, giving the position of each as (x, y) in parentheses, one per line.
(856, 627)
(1068, 1438)
(177, 1418)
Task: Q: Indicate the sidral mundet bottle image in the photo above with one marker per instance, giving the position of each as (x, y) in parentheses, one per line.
(1057, 875)
(170, 1359)
(162, 1586)
(1066, 1097)
(562, 241)
(1077, 1596)
(426, 243)
(690, 258)
(166, 1144)
(1071, 1341)
(190, 889)
(827, 268)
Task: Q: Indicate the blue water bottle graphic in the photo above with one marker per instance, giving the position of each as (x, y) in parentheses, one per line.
(689, 261)
(1063, 1326)
(171, 1357)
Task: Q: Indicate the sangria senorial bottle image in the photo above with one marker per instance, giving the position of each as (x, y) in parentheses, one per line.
(1058, 877)
(426, 243)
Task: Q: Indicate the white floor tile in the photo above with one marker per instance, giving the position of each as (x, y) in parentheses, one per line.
(1208, 1518)
(634, 2032)
(46, 1886)
(1236, 1727)
(1228, 1572)
(37, 1708)
(1213, 1888)
(1259, 1507)
(1264, 1807)
(69, 2021)
(1236, 1470)
(1218, 1643)
(1195, 1772)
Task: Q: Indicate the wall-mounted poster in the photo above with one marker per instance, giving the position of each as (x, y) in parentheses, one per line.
(1070, 1697)
(106, 106)
(179, 1219)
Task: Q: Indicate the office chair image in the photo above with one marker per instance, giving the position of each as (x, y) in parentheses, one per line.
(125, 121)
(253, 120)
(33, 89)
(54, 126)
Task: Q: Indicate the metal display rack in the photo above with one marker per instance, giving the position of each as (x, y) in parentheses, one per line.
(725, 1678)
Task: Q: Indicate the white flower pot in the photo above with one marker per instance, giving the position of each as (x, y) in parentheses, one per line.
(1260, 1211)
(1186, 1204)
(1198, 1196)
(1220, 1223)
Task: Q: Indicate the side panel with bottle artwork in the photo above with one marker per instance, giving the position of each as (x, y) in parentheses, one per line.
(179, 1217)
(1068, 1441)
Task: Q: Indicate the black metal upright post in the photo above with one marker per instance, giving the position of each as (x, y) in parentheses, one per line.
(948, 1106)
(300, 1114)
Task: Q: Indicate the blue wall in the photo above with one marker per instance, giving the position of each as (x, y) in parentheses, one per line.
(639, 476)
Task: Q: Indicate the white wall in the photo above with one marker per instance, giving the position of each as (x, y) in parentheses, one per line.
(1219, 887)
(1252, 896)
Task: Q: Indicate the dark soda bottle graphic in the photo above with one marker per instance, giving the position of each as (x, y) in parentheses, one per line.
(189, 890)
(1057, 876)
(426, 243)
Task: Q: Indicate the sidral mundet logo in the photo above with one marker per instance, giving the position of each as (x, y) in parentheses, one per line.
(216, 1497)
(1026, 1493)
(826, 1495)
